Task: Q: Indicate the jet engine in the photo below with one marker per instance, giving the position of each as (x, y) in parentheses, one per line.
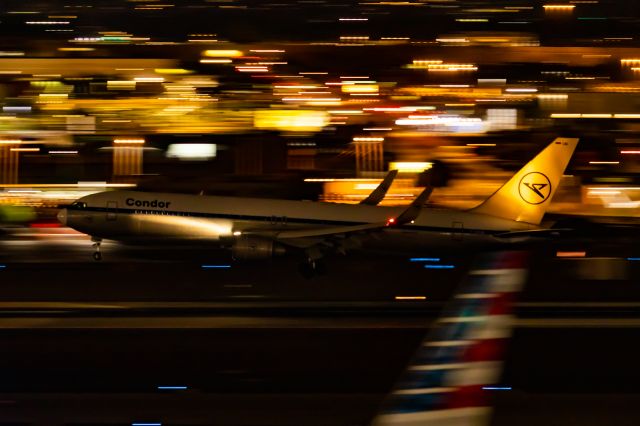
(255, 248)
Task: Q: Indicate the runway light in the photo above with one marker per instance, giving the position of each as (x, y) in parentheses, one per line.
(411, 297)
(439, 266)
(216, 266)
(424, 259)
(172, 388)
(571, 254)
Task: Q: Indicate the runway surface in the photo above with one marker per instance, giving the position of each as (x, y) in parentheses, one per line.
(257, 344)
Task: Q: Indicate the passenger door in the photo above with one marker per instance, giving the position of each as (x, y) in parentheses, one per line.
(457, 231)
(112, 210)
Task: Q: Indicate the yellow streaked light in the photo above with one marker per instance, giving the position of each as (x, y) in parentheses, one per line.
(597, 115)
(410, 166)
(290, 120)
(423, 63)
(223, 53)
(121, 84)
(76, 49)
(368, 139)
(565, 115)
(149, 79)
(559, 7)
(216, 61)
(133, 141)
(360, 88)
(172, 71)
(24, 149)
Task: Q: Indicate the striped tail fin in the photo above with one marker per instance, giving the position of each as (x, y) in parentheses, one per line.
(449, 380)
(527, 195)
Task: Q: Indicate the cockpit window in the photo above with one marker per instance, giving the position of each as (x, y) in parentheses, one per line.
(79, 205)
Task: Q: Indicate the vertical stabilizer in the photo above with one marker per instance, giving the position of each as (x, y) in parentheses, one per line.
(527, 195)
(457, 366)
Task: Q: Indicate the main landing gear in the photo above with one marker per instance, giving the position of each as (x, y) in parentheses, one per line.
(97, 256)
(312, 266)
(312, 269)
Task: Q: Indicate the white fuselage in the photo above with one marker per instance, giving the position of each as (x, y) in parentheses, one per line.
(138, 216)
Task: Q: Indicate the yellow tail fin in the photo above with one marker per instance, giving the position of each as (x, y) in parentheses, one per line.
(526, 196)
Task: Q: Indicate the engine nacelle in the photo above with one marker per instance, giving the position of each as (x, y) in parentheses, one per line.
(255, 248)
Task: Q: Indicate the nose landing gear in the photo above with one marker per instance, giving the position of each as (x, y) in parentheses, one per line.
(97, 256)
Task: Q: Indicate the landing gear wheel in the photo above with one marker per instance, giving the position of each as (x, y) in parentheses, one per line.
(307, 270)
(97, 256)
(312, 268)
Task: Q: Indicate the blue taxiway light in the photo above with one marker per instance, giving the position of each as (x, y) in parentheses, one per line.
(3, 266)
(496, 387)
(633, 258)
(424, 259)
(172, 388)
(146, 424)
(439, 266)
(216, 266)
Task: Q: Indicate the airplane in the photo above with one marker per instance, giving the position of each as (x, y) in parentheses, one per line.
(458, 364)
(255, 228)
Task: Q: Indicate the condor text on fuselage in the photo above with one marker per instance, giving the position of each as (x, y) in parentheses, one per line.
(131, 202)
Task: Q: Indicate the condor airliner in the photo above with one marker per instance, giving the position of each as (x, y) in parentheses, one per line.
(259, 228)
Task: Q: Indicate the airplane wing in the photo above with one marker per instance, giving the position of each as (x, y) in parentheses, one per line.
(378, 194)
(408, 215)
(318, 241)
(457, 366)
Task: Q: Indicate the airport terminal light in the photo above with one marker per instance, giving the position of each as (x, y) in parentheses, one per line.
(369, 154)
(127, 157)
(192, 151)
(9, 161)
(290, 120)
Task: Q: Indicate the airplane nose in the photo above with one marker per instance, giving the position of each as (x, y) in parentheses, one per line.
(62, 216)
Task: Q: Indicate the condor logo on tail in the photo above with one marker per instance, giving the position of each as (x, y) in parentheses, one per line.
(534, 188)
(525, 197)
